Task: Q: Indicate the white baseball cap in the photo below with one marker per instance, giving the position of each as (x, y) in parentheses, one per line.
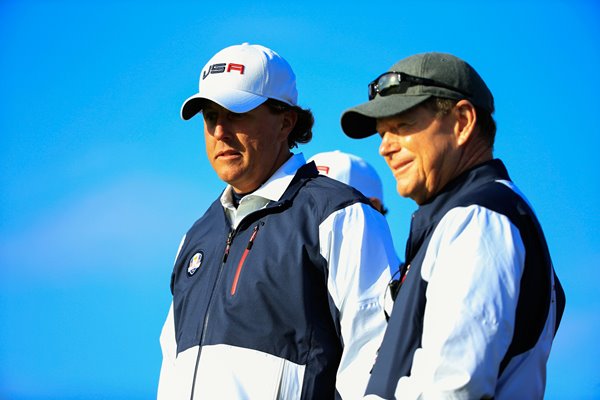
(242, 77)
(351, 170)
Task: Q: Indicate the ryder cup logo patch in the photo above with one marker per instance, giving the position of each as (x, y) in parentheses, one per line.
(195, 263)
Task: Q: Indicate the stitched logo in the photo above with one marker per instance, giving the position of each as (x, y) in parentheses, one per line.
(195, 263)
(223, 67)
(323, 168)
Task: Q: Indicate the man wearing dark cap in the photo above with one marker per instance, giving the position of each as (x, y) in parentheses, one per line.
(478, 302)
(278, 288)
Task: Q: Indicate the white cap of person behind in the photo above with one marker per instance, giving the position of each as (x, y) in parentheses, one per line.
(351, 170)
(242, 77)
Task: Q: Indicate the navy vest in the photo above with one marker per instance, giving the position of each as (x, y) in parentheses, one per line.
(263, 286)
(475, 187)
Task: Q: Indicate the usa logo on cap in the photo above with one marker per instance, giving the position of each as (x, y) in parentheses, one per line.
(195, 263)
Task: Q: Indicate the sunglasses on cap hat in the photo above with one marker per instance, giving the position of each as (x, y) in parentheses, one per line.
(396, 82)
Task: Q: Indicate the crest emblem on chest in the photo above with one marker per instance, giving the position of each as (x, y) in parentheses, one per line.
(195, 263)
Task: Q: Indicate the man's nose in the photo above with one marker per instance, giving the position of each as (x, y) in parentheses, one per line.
(222, 129)
(384, 147)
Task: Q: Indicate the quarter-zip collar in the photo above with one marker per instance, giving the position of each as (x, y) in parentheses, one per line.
(272, 190)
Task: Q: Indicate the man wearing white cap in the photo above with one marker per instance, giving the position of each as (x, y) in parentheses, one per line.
(278, 287)
(354, 171)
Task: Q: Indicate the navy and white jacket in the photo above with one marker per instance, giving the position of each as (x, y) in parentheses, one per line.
(281, 297)
(480, 303)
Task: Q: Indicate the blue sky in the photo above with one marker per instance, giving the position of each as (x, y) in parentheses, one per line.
(100, 176)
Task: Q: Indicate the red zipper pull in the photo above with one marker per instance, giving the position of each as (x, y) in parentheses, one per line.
(405, 273)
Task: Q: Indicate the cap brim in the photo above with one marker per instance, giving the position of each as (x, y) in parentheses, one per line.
(234, 100)
(360, 121)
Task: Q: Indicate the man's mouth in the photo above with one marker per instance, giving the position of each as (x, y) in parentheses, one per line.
(227, 154)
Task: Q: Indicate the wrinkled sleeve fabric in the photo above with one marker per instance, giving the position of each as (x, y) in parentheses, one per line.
(357, 244)
(473, 266)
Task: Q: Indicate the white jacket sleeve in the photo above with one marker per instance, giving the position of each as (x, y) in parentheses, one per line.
(168, 346)
(473, 266)
(357, 244)
(168, 379)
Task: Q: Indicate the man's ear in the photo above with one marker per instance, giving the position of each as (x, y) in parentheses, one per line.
(466, 119)
(288, 121)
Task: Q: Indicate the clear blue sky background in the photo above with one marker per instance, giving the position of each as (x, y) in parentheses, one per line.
(101, 177)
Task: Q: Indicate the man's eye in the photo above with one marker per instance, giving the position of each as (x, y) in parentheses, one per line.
(403, 126)
(236, 116)
(209, 116)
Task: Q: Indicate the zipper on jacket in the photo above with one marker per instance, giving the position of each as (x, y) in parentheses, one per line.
(227, 246)
(243, 259)
(207, 315)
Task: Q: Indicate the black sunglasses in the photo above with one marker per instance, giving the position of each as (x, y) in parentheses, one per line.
(397, 82)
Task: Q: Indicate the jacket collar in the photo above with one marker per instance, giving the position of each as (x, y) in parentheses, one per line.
(274, 187)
